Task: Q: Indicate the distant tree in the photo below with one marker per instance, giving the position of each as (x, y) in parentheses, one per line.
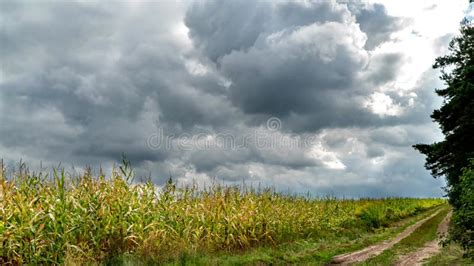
(450, 157)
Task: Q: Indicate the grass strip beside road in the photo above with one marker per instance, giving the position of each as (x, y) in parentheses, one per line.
(425, 233)
(451, 254)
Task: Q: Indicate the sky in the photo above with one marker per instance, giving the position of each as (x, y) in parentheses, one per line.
(325, 97)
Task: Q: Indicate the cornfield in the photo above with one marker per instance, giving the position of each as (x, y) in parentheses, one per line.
(50, 219)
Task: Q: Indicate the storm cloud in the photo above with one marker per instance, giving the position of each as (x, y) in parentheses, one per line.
(187, 89)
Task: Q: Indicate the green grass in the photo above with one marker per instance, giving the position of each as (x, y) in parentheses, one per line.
(94, 220)
(425, 233)
(451, 254)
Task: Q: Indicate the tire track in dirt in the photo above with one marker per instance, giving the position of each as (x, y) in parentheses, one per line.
(430, 248)
(374, 250)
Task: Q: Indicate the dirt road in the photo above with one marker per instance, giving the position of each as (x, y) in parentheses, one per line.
(374, 250)
(431, 248)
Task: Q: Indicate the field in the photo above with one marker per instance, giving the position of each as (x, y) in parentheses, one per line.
(86, 219)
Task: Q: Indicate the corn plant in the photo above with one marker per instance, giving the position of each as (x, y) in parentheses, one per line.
(53, 219)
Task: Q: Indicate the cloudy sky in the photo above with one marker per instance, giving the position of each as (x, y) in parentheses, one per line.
(321, 96)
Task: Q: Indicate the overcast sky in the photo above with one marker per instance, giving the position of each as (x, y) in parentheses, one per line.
(321, 96)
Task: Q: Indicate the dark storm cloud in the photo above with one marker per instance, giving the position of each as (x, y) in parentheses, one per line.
(220, 27)
(82, 83)
(384, 68)
(211, 160)
(292, 70)
(375, 22)
(98, 64)
(290, 64)
(99, 82)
